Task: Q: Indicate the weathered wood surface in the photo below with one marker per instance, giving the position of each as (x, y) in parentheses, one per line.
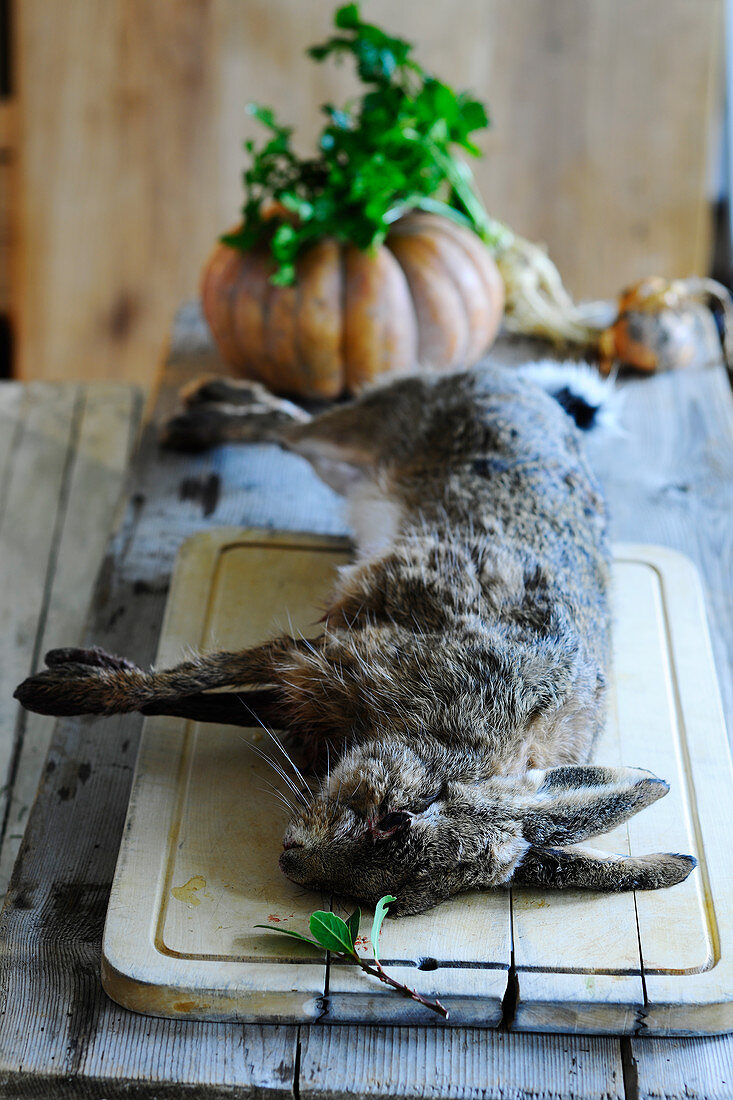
(696, 1069)
(64, 453)
(80, 1044)
(421, 1063)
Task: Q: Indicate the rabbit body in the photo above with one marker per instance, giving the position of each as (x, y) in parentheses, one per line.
(460, 677)
(478, 613)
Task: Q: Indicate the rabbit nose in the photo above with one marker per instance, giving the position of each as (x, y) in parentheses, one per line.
(294, 865)
(288, 844)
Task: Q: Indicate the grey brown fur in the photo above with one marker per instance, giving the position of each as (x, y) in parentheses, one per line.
(460, 676)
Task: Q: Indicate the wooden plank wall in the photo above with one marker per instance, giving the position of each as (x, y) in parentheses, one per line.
(131, 118)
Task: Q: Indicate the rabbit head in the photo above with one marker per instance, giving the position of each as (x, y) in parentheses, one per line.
(391, 820)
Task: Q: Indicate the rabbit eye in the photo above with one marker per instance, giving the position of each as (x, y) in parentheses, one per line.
(392, 823)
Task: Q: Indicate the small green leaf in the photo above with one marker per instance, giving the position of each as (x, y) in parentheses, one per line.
(332, 932)
(287, 932)
(297, 205)
(284, 234)
(284, 276)
(380, 913)
(353, 923)
(347, 17)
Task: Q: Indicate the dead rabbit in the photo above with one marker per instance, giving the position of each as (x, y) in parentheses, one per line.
(460, 676)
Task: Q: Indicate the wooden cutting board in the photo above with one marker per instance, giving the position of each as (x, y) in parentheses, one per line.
(198, 864)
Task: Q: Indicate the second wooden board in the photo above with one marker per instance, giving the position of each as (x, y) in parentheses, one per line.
(198, 864)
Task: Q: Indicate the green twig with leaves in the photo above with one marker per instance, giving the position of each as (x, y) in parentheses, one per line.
(339, 936)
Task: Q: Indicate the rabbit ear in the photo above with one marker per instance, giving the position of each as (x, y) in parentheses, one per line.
(575, 802)
(587, 869)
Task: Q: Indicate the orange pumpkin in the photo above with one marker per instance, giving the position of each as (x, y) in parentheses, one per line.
(430, 296)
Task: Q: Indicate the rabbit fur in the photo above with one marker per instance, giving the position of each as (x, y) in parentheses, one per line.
(461, 674)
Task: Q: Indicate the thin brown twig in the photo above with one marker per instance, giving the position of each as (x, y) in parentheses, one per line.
(378, 971)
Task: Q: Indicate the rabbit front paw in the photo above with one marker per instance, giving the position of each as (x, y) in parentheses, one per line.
(198, 428)
(227, 410)
(215, 389)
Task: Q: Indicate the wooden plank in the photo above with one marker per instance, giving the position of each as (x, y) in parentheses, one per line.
(100, 63)
(671, 486)
(150, 94)
(12, 409)
(473, 995)
(693, 1069)
(7, 124)
(102, 445)
(170, 1059)
(346, 1061)
(30, 525)
(565, 81)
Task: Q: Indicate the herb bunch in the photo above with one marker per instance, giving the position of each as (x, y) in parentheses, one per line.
(339, 936)
(380, 156)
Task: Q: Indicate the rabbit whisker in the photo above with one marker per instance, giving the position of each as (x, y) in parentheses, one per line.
(298, 773)
(279, 771)
(276, 794)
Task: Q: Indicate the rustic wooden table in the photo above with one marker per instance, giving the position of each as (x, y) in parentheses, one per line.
(669, 481)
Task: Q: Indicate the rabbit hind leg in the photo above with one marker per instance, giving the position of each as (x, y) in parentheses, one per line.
(92, 682)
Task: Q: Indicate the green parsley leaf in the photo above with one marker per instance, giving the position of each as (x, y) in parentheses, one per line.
(377, 157)
(347, 17)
